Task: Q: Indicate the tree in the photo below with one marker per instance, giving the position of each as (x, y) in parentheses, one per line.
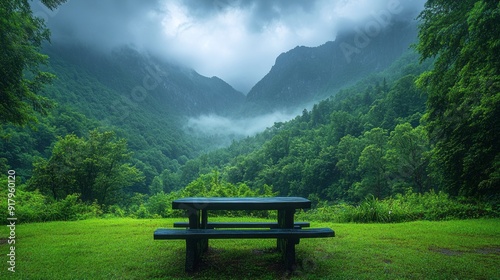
(463, 92)
(406, 158)
(405, 101)
(55, 176)
(372, 166)
(348, 151)
(21, 35)
(278, 147)
(97, 168)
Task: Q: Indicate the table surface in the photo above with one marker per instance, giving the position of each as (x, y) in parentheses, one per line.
(241, 203)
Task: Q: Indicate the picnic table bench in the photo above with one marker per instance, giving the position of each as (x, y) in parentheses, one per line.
(242, 225)
(198, 230)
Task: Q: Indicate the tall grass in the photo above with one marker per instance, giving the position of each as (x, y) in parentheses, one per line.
(429, 206)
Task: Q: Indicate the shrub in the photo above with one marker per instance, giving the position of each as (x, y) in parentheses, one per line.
(159, 203)
(116, 211)
(32, 206)
(142, 212)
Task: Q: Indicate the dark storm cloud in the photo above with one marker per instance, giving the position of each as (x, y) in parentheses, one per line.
(106, 24)
(237, 40)
(262, 12)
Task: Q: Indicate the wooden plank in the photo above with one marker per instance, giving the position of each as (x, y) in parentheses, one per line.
(160, 234)
(212, 225)
(241, 203)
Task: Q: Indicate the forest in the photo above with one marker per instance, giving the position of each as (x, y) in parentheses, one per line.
(421, 135)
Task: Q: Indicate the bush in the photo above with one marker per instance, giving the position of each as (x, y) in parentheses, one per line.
(159, 204)
(142, 212)
(116, 211)
(208, 185)
(35, 207)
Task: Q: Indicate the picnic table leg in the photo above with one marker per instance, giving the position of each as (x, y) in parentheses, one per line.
(204, 222)
(285, 220)
(280, 241)
(287, 245)
(192, 254)
(289, 253)
(194, 219)
(194, 247)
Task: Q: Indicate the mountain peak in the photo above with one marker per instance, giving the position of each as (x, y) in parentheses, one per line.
(307, 74)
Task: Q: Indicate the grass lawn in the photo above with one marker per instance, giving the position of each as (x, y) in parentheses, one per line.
(125, 249)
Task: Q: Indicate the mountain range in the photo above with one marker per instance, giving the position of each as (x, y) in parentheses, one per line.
(300, 76)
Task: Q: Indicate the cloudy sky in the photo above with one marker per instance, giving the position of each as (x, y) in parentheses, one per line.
(236, 40)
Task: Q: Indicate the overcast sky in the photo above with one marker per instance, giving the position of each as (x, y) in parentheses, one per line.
(236, 40)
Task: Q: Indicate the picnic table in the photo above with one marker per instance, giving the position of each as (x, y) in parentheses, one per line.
(198, 230)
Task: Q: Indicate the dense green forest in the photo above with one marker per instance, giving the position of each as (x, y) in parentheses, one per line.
(426, 125)
(365, 140)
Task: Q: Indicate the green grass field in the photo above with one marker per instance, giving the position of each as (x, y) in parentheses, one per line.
(125, 249)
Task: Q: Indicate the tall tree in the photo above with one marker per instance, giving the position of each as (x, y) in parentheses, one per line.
(21, 35)
(463, 91)
(97, 168)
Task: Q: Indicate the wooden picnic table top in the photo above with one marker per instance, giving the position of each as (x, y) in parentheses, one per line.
(242, 203)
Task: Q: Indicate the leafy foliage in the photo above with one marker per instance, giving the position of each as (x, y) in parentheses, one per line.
(209, 185)
(33, 206)
(21, 36)
(96, 168)
(464, 92)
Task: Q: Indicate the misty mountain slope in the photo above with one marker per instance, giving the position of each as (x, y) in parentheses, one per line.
(145, 80)
(307, 74)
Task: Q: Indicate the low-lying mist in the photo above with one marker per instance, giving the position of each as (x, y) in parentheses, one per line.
(236, 128)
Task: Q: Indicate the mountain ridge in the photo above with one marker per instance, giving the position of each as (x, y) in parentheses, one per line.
(308, 74)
